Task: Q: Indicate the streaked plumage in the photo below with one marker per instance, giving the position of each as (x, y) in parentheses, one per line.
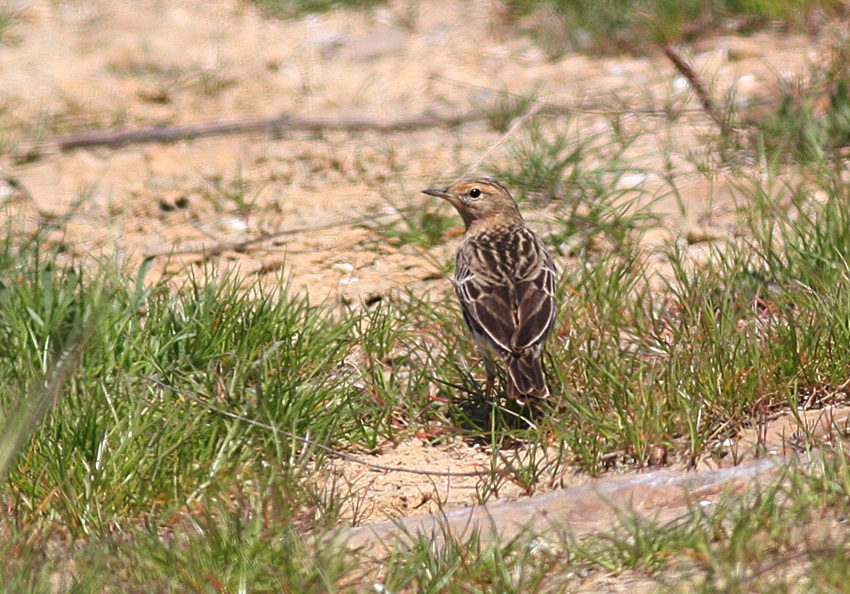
(505, 281)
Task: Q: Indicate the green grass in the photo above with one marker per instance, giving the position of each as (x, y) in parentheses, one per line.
(10, 17)
(563, 26)
(420, 226)
(785, 537)
(117, 442)
(593, 195)
(295, 8)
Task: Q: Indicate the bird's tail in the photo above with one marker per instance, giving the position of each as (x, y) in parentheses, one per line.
(525, 375)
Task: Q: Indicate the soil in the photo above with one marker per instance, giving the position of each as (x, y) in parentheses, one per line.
(104, 64)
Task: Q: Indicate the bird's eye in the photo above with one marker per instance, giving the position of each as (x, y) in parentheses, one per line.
(474, 193)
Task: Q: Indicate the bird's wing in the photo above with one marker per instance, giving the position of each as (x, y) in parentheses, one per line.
(535, 295)
(487, 306)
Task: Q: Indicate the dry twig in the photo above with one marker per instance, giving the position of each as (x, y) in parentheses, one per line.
(273, 126)
(695, 80)
(516, 126)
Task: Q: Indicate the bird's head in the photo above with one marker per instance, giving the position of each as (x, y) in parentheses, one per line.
(481, 202)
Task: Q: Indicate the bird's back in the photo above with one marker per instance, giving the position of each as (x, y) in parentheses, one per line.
(505, 280)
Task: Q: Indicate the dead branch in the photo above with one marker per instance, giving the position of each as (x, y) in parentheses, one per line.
(273, 126)
(694, 79)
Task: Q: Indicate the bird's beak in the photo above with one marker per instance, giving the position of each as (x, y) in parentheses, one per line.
(438, 192)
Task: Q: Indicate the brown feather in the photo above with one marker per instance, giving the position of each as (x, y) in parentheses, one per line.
(505, 281)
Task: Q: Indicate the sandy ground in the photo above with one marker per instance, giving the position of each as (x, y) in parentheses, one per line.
(72, 66)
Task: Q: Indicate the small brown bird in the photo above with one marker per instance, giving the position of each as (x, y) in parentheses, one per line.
(505, 280)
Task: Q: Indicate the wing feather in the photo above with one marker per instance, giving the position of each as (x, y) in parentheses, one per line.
(514, 309)
(486, 305)
(535, 304)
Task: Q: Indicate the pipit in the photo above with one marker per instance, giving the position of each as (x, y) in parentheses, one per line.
(505, 281)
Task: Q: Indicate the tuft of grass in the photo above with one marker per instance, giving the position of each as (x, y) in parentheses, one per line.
(547, 167)
(237, 543)
(809, 124)
(231, 195)
(237, 546)
(423, 227)
(115, 443)
(294, 8)
(592, 195)
(505, 108)
(471, 563)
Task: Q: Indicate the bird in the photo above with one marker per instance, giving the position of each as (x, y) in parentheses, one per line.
(505, 282)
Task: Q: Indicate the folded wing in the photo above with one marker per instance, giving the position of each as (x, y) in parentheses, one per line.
(514, 309)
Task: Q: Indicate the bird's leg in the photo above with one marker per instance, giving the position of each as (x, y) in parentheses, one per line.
(490, 368)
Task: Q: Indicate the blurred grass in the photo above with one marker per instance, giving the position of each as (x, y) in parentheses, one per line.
(562, 26)
(610, 26)
(294, 8)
